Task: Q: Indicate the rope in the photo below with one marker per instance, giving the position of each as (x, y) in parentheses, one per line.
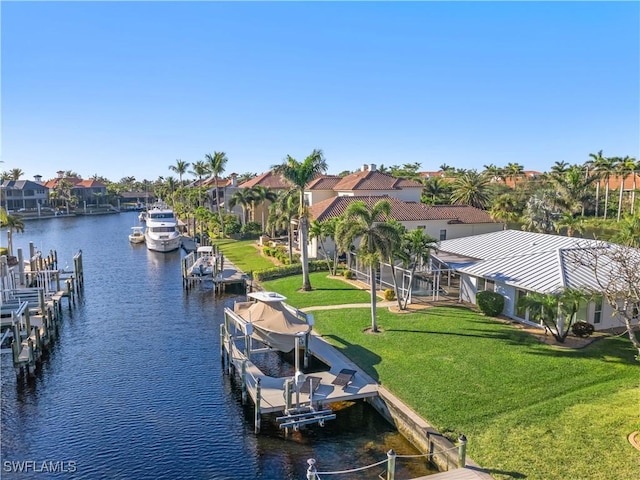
(341, 472)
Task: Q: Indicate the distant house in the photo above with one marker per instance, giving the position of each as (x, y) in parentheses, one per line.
(515, 263)
(85, 191)
(18, 195)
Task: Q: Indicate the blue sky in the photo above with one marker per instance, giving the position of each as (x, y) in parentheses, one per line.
(124, 89)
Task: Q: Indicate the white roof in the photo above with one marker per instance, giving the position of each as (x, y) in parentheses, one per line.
(531, 261)
(267, 296)
(205, 249)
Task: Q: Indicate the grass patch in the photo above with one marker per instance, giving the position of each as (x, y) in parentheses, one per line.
(326, 291)
(244, 254)
(528, 410)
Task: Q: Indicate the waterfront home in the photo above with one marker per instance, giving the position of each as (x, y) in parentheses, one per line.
(23, 195)
(515, 263)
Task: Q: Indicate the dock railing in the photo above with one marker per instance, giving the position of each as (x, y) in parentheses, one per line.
(389, 472)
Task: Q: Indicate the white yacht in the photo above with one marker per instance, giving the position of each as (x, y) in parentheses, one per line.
(161, 233)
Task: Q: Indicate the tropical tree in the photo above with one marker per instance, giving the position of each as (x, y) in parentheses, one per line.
(625, 167)
(557, 312)
(260, 195)
(494, 173)
(435, 190)
(377, 239)
(16, 173)
(216, 165)
(538, 215)
(559, 168)
(628, 231)
(505, 209)
(281, 213)
(594, 174)
(605, 168)
(199, 169)
(322, 231)
(242, 197)
(299, 174)
(470, 189)
(415, 249)
(514, 171)
(180, 168)
(12, 222)
(569, 222)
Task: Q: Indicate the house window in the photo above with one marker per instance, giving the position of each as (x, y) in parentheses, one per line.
(443, 235)
(480, 287)
(484, 284)
(421, 227)
(597, 311)
(520, 310)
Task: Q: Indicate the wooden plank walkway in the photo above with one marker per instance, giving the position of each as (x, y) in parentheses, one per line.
(466, 473)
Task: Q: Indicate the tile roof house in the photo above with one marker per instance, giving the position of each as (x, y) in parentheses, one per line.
(89, 190)
(440, 222)
(514, 262)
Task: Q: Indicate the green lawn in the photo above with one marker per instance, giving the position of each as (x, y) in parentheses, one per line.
(326, 291)
(528, 410)
(244, 255)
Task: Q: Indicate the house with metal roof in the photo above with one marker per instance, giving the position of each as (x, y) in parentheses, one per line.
(515, 263)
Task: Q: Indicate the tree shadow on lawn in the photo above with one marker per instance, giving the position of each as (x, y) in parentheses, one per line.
(455, 334)
(494, 471)
(331, 289)
(361, 356)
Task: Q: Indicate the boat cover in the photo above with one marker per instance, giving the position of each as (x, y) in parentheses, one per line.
(273, 323)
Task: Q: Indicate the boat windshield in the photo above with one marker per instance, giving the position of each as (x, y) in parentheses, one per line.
(162, 229)
(161, 215)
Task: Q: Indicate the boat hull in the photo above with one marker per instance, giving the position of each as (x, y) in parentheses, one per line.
(163, 245)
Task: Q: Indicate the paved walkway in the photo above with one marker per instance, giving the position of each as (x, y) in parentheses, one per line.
(349, 305)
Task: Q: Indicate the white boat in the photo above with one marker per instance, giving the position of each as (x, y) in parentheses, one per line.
(136, 235)
(274, 322)
(142, 216)
(204, 264)
(161, 234)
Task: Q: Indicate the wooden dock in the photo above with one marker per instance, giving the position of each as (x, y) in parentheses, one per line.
(31, 306)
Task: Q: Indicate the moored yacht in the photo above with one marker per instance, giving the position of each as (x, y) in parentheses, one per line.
(161, 233)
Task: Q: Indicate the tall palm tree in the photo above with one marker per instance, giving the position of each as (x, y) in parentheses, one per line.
(299, 174)
(322, 231)
(559, 168)
(504, 209)
(216, 164)
(260, 195)
(470, 189)
(180, 168)
(16, 173)
(12, 222)
(415, 248)
(434, 190)
(494, 173)
(281, 213)
(514, 171)
(605, 167)
(199, 169)
(624, 167)
(242, 197)
(378, 239)
(593, 166)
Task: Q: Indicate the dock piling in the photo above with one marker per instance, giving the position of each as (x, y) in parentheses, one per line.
(391, 465)
(257, 412)
(462, 451)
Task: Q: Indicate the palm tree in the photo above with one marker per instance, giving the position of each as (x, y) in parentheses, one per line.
(16, 173)
(199, 170)
(378, 239)
(504, 209)
(216, 164)
(299, 174)
(624, 167)
(538, 214)
(559, 168)
(322, 231)
(242, 197)
(12, 222)
(628, 231)
(514, 171)
(180, 168)
(494, 173)
(415, 248)
(605, 167)
(434, 190)
(260, 195)
(281, 213)
(571, 223)
(470, 189)
(593, 165)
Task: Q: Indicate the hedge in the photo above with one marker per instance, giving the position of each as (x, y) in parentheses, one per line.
(288, 270)
(490, 303)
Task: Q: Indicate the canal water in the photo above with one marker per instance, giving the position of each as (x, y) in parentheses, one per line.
(133, 387)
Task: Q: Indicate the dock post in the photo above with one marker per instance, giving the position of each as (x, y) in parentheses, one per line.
(244, 382)
(311, 469)
(288, 394)
(306, 350)
(222, 343)
(462, 451)
(391, 465)
(32, 366)
(257, 413)
(21, 267)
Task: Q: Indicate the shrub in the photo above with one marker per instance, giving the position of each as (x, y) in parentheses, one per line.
(288, 270)
(251, 230)
(582, 329)
(349, 275)
(389, 294)
(490, 303)
(3, 251)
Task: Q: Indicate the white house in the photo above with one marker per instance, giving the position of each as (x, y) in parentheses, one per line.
(514, 263)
